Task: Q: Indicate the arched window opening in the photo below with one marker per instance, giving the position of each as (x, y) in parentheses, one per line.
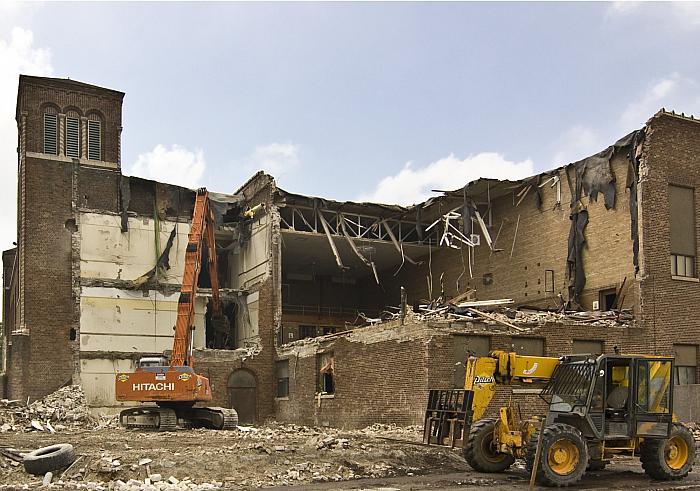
(72, 134)
(94, 135)
(51, 130)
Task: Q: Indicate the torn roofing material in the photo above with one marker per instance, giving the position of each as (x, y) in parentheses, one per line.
(593, 176)
(173, 198)
(379, 209)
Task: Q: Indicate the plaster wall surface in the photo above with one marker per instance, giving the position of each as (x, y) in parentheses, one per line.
(107, 252)
(250, 266)
(113, 319)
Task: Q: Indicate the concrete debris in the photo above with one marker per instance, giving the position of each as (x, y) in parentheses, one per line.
(47, 479)
(66, 408)
(271, 455)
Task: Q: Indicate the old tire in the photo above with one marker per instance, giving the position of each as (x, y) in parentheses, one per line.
(48, 459)
(669, 458)
(563, 456)
(480, 453)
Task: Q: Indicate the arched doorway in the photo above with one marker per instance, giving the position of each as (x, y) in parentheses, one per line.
(242, 393)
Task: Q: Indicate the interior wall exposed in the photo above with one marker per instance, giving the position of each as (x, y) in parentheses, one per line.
(528, 262)
(117, 316)
(318, 297)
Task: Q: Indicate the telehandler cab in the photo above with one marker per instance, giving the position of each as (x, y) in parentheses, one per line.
(599, 406)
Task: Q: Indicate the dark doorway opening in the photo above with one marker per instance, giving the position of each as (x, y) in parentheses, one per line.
(242, 390)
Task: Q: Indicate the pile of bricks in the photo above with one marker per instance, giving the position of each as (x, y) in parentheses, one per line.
(64, 408)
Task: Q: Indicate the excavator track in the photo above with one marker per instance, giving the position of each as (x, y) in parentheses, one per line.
(230, 418)
(216, 418)
(149, 418)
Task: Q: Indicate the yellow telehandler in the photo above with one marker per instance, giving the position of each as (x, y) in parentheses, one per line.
(598, 406)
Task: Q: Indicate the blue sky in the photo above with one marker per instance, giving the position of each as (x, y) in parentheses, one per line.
(381, 101)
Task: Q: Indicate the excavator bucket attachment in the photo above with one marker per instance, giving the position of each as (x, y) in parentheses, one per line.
(448, 417)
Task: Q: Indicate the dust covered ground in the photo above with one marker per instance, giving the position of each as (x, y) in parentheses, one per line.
(379, 457)
(264, 456)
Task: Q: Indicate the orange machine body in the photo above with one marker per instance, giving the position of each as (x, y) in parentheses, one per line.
(166, 384)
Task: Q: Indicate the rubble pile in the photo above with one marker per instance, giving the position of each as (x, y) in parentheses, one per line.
(172, 484)
(58, 411)
(272, 454)
(695, 428)
(518, 318)
(67, 404)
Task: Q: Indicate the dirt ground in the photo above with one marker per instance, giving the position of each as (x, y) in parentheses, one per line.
(268, 455)
(377, 458)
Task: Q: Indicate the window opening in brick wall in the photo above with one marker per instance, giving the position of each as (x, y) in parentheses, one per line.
(681, 205)
(528, 346)
(682, 266)
(329, 330)
(222, 332)
(462, 348)
(686, 364)
(585, 347)
(51, 134)
(549, 281)
(72, 136)
(607, 299)
(94, 140)
(307, 332)
(326, 382)
(282, 370)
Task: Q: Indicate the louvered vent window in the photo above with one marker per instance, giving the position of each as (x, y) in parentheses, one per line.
(73, 137)
(94, 140)
(51, 134)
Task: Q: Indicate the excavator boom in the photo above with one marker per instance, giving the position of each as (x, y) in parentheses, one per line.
(173, 385)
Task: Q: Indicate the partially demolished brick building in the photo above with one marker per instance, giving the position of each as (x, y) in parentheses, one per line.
(313, 287)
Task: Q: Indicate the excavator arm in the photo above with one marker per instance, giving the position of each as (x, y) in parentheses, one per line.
(201, 232)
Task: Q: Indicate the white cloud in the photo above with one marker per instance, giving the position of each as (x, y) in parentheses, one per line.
(174, 165)
(673, 92)
(684, 14)
(276, 159)
(622, 8)
(17, 55)
(413, 184)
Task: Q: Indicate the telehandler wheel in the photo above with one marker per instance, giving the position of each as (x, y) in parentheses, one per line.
(563, 456)
(669, 458)
(480, 451)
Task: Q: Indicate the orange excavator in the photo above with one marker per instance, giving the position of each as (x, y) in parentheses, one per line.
(172, 384)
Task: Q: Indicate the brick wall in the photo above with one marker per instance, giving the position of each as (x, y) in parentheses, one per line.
(44, 357)
(49, 304)
(669, 306)
(36, 93)
(381, 380)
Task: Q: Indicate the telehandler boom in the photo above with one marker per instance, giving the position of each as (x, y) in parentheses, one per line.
(598, 406)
